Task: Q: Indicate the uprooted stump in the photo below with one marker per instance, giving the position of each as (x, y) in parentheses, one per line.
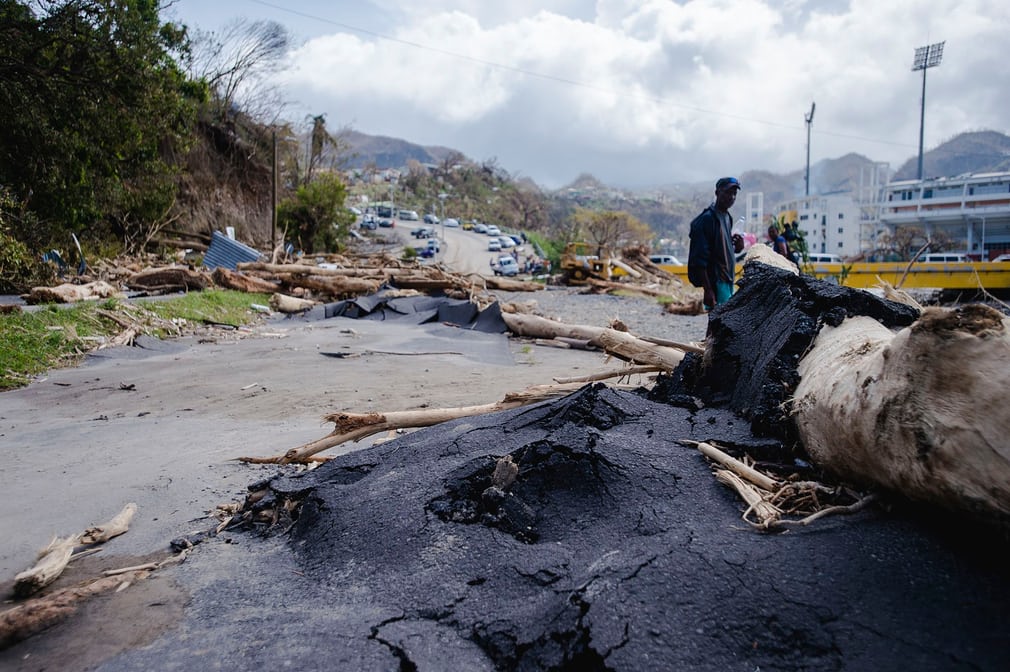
(612, 548)
(867, 388)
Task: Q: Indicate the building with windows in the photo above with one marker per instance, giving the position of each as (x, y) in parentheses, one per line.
(830, 224)
(972, 211)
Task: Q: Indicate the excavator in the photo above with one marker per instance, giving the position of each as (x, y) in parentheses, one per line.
(581, 261)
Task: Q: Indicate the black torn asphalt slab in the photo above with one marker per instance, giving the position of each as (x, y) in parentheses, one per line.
(618, 551)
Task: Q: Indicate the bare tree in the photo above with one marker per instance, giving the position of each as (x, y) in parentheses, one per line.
(236, 61)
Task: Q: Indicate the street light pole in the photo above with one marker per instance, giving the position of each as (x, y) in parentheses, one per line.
(441, 198)
(925, 58)
(809, 118)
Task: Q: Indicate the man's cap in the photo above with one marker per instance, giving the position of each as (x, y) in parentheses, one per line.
(727, 182)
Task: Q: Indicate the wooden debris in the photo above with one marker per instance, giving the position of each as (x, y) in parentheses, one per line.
(168, 279)
(767, 515)
(290, 305)
(57, 555)
(921, 412)
(617, 343)
(356, 426)
(119, 524)
(53, 559)
(35, 615)
(69, 293)
(241, 282)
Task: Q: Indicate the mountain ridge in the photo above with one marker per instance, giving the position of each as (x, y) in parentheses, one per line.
(967, 152)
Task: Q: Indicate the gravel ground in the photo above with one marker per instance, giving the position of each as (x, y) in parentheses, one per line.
(644, 316)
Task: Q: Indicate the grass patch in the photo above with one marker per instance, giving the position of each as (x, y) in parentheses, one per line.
(32, 343)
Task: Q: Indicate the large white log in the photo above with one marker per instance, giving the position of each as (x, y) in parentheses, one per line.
(922, 412)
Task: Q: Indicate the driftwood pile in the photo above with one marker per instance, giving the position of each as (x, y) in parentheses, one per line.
(40, 610)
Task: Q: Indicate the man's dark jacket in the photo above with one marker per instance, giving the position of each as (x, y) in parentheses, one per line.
(711, 250)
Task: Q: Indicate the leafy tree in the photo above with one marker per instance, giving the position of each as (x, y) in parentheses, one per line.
(610, 229)
(315, 216)
(93, 101)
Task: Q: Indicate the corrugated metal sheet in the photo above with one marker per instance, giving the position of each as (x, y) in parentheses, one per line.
(228, 253)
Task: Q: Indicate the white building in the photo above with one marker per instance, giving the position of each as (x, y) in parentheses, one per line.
(973, 210)
(830, 224)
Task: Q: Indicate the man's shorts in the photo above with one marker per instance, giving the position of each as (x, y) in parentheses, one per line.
(723, 291)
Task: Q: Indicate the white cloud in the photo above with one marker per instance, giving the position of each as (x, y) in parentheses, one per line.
(653, 90)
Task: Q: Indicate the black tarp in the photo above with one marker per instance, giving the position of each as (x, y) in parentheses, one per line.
(387, 305)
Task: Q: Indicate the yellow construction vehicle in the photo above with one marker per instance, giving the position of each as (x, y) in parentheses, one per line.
(581, 261)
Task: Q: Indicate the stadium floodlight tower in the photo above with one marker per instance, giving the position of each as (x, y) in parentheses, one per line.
(925, 58)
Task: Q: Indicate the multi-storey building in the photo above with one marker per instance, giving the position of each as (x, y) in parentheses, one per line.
(972, 210)
(830, 224)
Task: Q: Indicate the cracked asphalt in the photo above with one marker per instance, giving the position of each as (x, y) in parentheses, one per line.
(636, 559)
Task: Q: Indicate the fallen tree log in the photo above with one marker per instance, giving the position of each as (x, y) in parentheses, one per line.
(618, 343)
(875, 392)
(921, 412)
(169, 278)
(334, 285)
(307, 269)
(241, 282)
(356, 426)
(290, 305)
(510, 285)
(70, 293)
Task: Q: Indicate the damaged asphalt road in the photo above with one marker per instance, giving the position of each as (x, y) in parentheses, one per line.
(613, 549)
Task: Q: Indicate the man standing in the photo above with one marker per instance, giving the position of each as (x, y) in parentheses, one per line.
(711, 262)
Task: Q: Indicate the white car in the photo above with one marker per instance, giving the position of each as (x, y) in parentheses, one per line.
(1002, 257)
(493, 230)
(494, 245)
(506, 242)
(506, 266)
(451, 223)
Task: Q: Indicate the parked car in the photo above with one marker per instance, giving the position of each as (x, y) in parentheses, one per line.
(494, 245)
(819, 258)
(1002, 257)
(479, 228)
(423, 232)
(369, 222)
(506, 266)
(430, 219)
(387, 223)
(451, 223)
(355, 211)
(665, 260)
(467, 225)
(943, 257)
(434, 245)
(506, 242)
(408, 216)
(492, 230)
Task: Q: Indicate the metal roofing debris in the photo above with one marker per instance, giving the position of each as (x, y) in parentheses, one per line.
(228, 253)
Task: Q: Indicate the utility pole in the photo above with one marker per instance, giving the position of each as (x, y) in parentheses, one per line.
(925, 58)
(809, 118)
(273, 199)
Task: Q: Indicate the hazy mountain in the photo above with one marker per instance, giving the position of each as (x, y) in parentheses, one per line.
(971, 152)
(975, 152)
(386, 152)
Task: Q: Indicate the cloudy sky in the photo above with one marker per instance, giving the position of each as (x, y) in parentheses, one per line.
(640, 92)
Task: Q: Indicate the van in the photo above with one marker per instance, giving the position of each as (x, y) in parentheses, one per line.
(943, 258)
(821, 258)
